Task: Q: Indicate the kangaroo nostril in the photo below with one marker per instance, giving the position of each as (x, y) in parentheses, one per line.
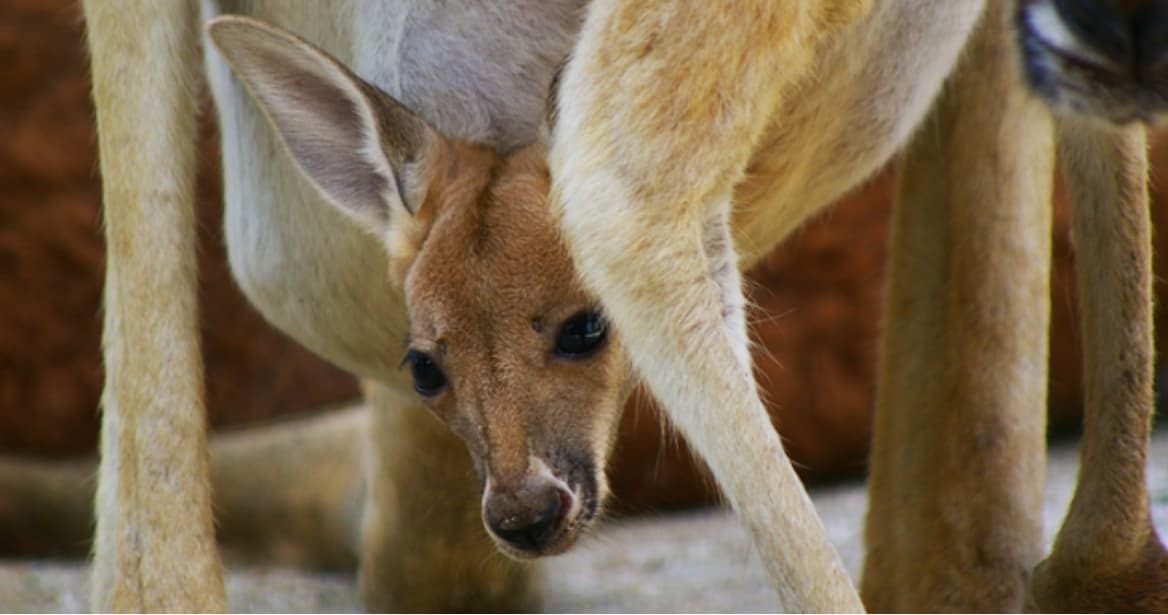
(531, 529)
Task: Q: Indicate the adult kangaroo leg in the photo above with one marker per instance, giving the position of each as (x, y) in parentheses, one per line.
(658, 113)
(1107, 556)
(955, 490)
(423, 545)
(155, 544)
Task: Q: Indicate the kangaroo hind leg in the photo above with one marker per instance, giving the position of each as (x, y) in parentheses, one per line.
(955, 486)
(1107, 556)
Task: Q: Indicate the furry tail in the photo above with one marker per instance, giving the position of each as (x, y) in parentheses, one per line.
(291, 492)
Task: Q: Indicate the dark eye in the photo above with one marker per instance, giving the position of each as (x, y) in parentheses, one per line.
(581, 335)
(428, 378)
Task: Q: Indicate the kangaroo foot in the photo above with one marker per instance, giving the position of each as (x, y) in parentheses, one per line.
(1138, 585)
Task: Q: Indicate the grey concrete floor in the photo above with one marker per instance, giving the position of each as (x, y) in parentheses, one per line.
(693, 562)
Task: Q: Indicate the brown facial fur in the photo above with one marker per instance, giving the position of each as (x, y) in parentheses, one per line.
(487, 295)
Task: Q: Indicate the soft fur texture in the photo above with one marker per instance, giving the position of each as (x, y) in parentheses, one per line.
(155, 541)
(312, 271)
(1107, 556)
(687, 140)
(674, 117)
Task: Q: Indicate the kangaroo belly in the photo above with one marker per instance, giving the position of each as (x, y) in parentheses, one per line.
(874, 84)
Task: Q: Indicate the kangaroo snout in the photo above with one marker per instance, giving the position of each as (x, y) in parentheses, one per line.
(529, 522)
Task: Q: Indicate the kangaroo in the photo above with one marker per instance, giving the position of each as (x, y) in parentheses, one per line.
(783, 107)
(689, 138)
(309, 250)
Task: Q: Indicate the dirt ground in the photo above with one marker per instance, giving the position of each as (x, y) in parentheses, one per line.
(694, 562)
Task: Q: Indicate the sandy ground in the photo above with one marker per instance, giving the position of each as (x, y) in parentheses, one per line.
(691, 562)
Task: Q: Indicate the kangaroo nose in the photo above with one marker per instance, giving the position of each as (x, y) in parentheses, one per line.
(527, 524)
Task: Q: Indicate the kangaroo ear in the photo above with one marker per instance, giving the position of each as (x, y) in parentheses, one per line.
(359, 146)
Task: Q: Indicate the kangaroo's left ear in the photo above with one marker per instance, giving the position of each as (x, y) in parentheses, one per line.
(359, 146)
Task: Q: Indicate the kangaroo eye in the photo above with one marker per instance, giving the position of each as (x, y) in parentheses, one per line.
(581, 335)
(428, 378)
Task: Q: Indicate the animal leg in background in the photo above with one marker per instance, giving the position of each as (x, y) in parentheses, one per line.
(155, 542)
(955, 485)
(645, 220)
(1107, 556)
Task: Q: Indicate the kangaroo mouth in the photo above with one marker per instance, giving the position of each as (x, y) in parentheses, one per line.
(576, 523)
(579, 507)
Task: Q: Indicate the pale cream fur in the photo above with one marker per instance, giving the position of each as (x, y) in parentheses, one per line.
(674, 116)
(305, 265)
(688, 140)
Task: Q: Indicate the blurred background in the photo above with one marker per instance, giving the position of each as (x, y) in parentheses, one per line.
(819, 296)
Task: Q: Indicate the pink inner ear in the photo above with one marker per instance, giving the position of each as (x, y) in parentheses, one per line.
(320, 111)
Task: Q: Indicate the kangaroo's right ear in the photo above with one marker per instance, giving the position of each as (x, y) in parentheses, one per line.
(359, 146)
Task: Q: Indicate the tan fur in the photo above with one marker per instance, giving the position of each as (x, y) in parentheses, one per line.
(1107, 556)
(688, 140)
(963, 354)
(320, 276)
(638, 203)
(465, 228)
(661, 137)
(155, 541)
